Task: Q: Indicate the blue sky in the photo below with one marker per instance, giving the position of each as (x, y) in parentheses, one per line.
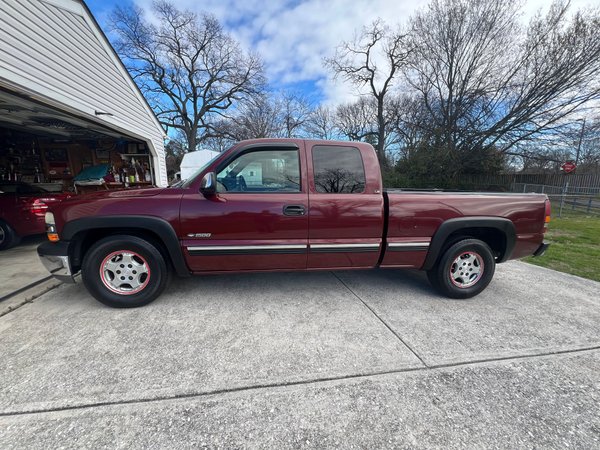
(293, 36)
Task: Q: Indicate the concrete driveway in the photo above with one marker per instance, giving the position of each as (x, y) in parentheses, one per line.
(20, 266)
(346, 359)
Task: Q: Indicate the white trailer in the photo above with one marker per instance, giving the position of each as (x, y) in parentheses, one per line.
(193, 161)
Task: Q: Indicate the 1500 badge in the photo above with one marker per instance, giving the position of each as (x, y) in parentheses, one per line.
(199, 235)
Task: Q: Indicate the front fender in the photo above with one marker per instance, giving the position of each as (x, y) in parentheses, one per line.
(156, 225)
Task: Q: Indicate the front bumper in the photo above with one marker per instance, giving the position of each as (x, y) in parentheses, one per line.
(541, 249)
(55, 258)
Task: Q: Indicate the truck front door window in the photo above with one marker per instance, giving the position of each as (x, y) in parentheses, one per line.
(338, 169)
(262, 171)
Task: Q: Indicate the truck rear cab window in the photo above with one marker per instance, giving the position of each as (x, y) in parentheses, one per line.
(338, 169)
(261, 171)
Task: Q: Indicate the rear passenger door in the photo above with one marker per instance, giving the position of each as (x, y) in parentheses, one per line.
(345, 206)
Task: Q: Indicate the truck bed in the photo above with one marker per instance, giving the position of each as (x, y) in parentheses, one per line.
(414, 216)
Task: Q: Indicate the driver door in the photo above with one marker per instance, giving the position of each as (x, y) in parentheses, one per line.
(259, 218)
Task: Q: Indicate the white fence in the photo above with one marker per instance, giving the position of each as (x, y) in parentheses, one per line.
(584, 199)
(591, 180)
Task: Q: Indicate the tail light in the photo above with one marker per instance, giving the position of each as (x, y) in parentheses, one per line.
(547, 213)
(38, 207)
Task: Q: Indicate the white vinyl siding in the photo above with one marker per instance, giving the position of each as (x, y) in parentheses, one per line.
(52, 48)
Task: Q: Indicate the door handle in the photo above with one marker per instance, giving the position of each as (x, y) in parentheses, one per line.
(294, 210)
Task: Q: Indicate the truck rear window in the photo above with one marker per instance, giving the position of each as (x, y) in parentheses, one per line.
(338, 169)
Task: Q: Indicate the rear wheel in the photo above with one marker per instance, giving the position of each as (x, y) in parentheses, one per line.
(124, 271)
(8, 236)
(464, 270)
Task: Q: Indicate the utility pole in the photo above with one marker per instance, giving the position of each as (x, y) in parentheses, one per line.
(579, 144)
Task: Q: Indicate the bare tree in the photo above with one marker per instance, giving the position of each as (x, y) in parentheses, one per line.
(257, 118)
(282, 114)
(219, 140)
(537, 157)
(189, 69)
(173, 155)
(294, 112)
(358, 121)
(373, 59)
(407, 116)
(338, 180)
(321, 123)
(589, 146)
(488, 83)
(577, 141)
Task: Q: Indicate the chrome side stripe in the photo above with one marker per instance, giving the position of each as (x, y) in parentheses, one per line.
(249, 247)
(408, 246)
(280, 249)
(246, 249)
(343, 248)
(302, 248)
(344, 245)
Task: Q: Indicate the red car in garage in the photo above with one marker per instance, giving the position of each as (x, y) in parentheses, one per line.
(22, 210)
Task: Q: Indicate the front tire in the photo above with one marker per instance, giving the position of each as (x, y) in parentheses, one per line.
(124, 271)
(8, 236)
(464, 270)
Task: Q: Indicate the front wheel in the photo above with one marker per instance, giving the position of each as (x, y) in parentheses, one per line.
(8, 236)
(124, 271)
(464, 270)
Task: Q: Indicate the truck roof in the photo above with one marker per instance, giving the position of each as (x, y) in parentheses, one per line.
(297, 141)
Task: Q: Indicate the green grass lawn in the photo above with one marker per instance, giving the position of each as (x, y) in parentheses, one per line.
(575, 246)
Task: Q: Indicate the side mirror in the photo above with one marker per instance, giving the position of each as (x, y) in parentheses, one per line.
(208, 185)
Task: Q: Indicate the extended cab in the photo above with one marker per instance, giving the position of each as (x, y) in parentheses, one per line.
(284, 205)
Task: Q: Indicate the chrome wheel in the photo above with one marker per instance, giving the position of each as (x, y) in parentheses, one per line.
(124, 272)
(466, 269)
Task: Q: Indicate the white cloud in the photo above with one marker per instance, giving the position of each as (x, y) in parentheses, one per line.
(532, 6)
(293, 36)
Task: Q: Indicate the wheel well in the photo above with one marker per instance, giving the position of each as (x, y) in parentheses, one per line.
(85, 239)
(493, 237)
(2, 221)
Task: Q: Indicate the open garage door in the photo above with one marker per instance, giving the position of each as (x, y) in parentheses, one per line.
(43, 154)
(50, 148)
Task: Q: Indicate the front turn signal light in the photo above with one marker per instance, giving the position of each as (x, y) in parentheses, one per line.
(51, 228)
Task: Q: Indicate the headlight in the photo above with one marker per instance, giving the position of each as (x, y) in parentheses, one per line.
(50, 219)
(51, 227)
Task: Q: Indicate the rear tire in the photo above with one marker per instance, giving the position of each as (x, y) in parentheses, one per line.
(124, 271)
(8, 237)
(464, 270)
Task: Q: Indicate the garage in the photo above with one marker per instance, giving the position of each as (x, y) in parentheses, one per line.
(72, 119)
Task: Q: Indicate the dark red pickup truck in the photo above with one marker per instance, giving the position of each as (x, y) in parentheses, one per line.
(283, 205)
